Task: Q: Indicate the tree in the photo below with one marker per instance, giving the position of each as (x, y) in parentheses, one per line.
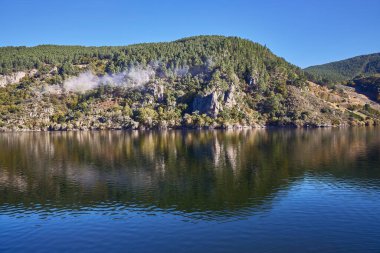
(66, 69)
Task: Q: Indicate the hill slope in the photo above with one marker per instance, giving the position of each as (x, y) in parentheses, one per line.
(203, 81)
(369, 86)
(344, 70)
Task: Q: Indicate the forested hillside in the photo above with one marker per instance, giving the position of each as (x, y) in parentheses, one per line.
(364, 65)
(369, 86)
(204, 81)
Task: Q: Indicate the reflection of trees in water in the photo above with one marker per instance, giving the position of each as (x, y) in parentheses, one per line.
(189, 171)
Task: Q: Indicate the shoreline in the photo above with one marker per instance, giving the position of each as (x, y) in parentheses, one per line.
(158, 129)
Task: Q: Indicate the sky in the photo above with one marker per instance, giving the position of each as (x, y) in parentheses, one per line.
(304, 32)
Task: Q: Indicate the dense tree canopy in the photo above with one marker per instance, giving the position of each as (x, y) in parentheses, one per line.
(239, 55)
(344, 70)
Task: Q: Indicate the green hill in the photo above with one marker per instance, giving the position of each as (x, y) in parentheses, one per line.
(365, 65)
(370, 86)
(203, 81)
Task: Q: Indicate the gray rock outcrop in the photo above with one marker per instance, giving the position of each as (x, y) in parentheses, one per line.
(11, 78)
(214, 102)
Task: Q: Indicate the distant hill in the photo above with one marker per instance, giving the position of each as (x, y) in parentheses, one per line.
(370, 86)
(364, 65)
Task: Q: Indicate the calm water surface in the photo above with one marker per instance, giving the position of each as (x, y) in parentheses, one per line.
(195, 191)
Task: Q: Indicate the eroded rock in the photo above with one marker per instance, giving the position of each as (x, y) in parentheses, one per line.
(11, 78)
(215, 102)
(208, 104)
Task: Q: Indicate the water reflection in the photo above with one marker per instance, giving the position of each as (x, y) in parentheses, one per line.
(205, 173)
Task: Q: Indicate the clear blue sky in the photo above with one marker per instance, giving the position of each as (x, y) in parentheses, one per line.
(304, 32)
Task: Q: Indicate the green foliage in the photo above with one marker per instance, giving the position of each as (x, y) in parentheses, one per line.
(127, 111)
(58, 118)
(146, 116)
(201, 54)
(344, 70)
(369, 86)
(196, 120)
(273, 105)
(67, 69)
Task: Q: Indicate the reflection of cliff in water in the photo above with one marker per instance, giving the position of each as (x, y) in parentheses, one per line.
(186, 171)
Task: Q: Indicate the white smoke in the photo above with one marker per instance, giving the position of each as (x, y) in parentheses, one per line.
(134, 77)
(85, 81)
(138, 76)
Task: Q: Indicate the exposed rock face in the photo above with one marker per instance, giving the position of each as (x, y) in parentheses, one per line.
(156, 91)
(159, 92)
(208, 104)
(53, 70)
(229, 97)
(214, 102)
(12, 78)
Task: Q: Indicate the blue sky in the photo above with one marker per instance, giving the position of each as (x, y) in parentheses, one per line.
(304, 32)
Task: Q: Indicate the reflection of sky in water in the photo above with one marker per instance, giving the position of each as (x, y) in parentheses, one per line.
(311, 213)
(272, 191)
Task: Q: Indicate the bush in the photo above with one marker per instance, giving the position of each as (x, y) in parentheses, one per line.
(146, 116)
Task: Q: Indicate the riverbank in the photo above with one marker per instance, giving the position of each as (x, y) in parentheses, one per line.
(64, 128)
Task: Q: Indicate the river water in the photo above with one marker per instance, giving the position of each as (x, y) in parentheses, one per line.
(268, 190)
